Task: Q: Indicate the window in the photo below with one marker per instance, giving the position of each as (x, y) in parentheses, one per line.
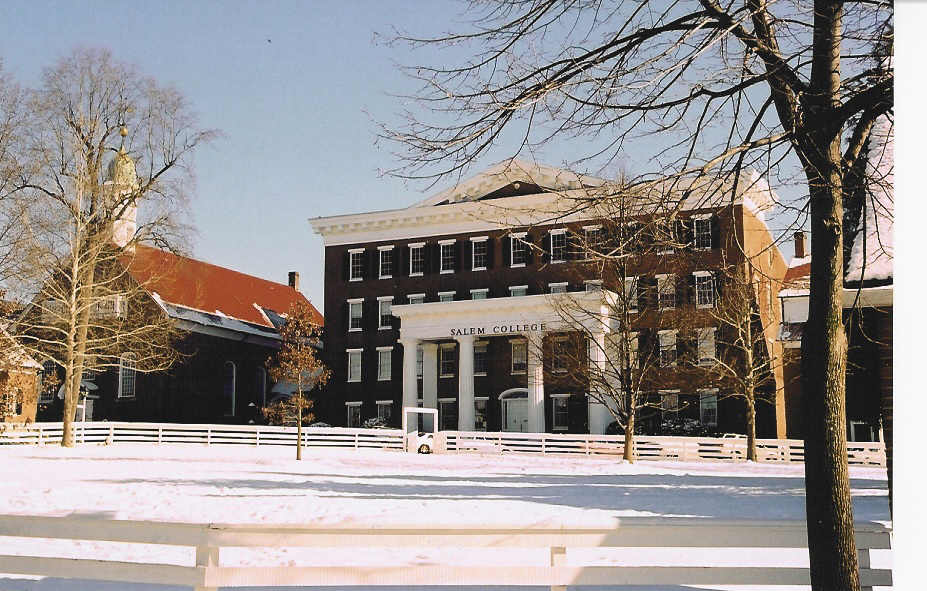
(561, 404)
(385, 410)
(448, 255)
(706, 346)
(446, 360)
(260, 386)
(630, 293)
(355, 315)
(228, 385)
(703, 232)
(704, 289)
(419, 361)
(386, 262)
(479, 294)
(516, 291)
(480, 358)
(519, 357)
(708, 407)
(593, 239)
(357, 264)
(385, 304)
(669, 400)
(416, 298)
(480, 246)
(559, 359)
(447, 413)
(446, 296)
(558, 246)
(518, 250)
(384, 364)
(480, 404)
(354, 413)
(107, 307)
(558, 287)
(664, 236)
(416, 259)
(47, 381)
(666, 291)
(593, 285)
(667, 347)
(354, 365)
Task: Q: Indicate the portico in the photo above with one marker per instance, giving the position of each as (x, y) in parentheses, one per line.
(524, 319)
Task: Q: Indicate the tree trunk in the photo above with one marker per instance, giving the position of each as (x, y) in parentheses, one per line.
(831, 539)
(751, 426)
(629, 439)
(299, 426)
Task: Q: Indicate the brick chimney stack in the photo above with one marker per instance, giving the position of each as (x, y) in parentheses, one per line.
(293, 280)
(799, 245)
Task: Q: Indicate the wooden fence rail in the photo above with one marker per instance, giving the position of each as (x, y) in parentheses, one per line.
(688, 449)
(557, 542)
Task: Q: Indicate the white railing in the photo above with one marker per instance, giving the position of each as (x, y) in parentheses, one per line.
(124, 432)
(688, 449)
(559, 548)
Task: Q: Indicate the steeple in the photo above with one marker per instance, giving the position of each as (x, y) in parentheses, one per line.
(121, 180)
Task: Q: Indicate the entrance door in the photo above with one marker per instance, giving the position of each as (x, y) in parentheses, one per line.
(516, 414)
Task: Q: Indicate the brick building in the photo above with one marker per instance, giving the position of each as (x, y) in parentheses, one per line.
(440, 304)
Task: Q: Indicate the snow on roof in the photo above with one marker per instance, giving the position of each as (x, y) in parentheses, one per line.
(197, 286)
(873, 247)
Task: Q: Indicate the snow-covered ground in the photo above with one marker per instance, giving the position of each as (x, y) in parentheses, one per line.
(236, 484)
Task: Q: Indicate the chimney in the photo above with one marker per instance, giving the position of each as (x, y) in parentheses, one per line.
(799, 245)
(293, 279)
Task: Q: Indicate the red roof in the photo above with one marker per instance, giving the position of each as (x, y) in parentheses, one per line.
(797, 272)
(209, 288)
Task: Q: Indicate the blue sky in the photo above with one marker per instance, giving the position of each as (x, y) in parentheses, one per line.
(296, 88)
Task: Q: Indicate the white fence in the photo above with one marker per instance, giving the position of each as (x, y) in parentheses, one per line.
(646, 448)
(560, 548)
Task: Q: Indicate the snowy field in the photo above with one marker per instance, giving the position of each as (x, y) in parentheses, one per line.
(237, 484)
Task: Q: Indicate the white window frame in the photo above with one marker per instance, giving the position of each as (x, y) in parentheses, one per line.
(484, 291)
(474, 240)
(350, 406)
(662, 279)
(360, 365)
(558, 363)
(415, 296)
(387, 375)
(703, 334)
(351, 303)
(442, 402)
(711, 289)
(592, 244)
(477, 413)
(519, 343)
(441, 294)
(556, 287)
(480, 345)
(695, 233)
(420, 247)
(351, 253)
(563, 399)
(392, 260)
(708, 394)
(565, 246)
(446, 349)
(665, 396)
(675, 334)
(513, 288)
(380, 301)
(384, 404)
(517, 238)
(441, 246)
(125, 360)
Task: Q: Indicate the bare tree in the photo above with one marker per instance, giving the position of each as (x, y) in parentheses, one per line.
(770, 85)
(100, 141)
(297, 362)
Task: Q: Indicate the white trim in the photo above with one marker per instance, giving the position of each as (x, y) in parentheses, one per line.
(389, 348)
(354, 350)
(355, 300)
(481, 398)
(447, 400)
(484, 290)
(567, 395)
(444, 293)
(387, 247)
(448, 241)
(385, 401)
(353, 403)
(356, 250)
(384, 298)
(702, 273)
(557, 231)
(415, 244)
(479, 238)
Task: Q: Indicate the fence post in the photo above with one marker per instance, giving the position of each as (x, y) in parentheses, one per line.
(207, 557)
(41, 439)
(208, 435)
(257, 437)
(557, 559)
(864, 565)
(356, 437)
(159, 434)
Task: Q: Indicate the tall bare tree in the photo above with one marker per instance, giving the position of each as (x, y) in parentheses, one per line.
(99, 141)
(298, 363)
(724, 85)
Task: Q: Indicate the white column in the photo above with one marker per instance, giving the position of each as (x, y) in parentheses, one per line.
(465, 408)
(409, 373)
(536, 423)
(429, 376)
(599, 417)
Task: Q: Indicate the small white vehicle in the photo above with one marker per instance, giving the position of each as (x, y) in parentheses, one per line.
(424, 442)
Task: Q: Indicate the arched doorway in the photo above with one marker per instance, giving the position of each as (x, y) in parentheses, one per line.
(514, 410)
